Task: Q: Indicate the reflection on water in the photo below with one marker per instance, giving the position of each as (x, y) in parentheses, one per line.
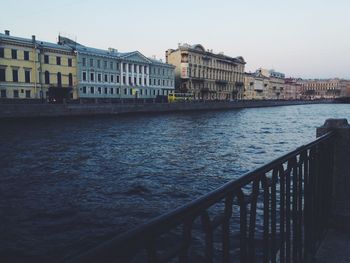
(68, 184)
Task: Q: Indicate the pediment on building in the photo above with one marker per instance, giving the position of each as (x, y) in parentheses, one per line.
(136, 57)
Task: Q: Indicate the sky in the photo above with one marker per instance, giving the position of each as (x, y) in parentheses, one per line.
(301, 38)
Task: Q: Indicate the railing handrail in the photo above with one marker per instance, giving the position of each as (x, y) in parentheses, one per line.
(160, 224)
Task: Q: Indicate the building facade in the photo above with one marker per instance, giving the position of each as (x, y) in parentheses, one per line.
(35, 69)
(324, 88)
(264, 84)
(256, 86)
(112, 74)
(207, 75)
(292, 90)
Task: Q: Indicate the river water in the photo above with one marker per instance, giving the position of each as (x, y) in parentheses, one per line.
(67, 184)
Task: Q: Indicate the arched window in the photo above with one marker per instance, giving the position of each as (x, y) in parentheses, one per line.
(70, 79)
(47, 77)
(59, 79)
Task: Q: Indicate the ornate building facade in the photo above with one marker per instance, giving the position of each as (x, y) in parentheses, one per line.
(207, 75)
(112, 74)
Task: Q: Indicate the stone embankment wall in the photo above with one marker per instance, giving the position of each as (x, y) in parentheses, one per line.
(56, 110)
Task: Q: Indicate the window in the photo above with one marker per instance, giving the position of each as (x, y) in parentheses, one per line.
(15, 93)
(84, 62)
(163, 82)
(124, 79)
(106, 78)
(2, 52)
(141, 91)
(99, 77)
(58, 60)
(59, 79)
(145, 70)
(112, 78)
(118, 90)
(92, 90)
(99, 90)
(2, 74)
(27, 76)
(111, 65)
(145, 82)
(130, 81)
(47, 77)
(3, 93)
(84, 76)
(135, 81)
(106, 90)
(105, 64)
(125, 91)
(46, 59)
(15, 75)
(99, 63)
(146, 92)
(27, 93)
(26, 55)
(69, 62)
(14, 53)
(112, 91)
(124, 67)
(140, 81)
(92, 77)
(117, 66)
(84, 90)
(117, 78)
(154, 82)
(70, 79)
(158, 82)
(91, 62)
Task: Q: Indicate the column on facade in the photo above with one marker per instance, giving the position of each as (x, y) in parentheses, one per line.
(127, 73)
(132, 74)
(142, 75)
(137, 75)
(147, 75)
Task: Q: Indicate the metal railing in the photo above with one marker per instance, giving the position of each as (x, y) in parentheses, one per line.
(276, 213)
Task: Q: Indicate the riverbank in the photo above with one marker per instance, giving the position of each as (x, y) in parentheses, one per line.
(59, 110)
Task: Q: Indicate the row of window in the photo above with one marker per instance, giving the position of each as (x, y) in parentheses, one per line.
(3, 93)
(125, 66)
(58, 60)
(15, 73)
(27, 77)
(125, 91)
(59, 78)
(14, 55)
(116, 79)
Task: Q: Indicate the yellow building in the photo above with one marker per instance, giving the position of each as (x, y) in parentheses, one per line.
(256, 86)
(324, 88)
(35, 69)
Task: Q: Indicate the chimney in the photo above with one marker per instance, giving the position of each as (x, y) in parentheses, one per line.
(7, 32)
(33, 38)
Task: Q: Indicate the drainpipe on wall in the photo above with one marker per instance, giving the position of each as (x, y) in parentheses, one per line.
(35, 69)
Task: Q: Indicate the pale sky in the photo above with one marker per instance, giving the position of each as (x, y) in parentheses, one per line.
(302, 38)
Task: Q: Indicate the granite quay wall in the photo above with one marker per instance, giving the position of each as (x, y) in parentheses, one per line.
(57, 110)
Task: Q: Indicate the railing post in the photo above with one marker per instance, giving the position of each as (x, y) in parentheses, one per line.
(340, 216)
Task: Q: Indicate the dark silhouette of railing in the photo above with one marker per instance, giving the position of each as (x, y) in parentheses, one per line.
(279, 211)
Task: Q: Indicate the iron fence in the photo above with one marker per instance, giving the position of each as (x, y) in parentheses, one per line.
(278, 213)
